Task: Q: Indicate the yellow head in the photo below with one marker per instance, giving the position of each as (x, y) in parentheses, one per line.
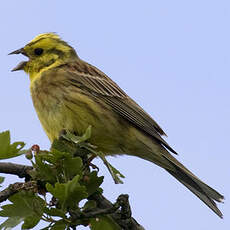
(44, 51)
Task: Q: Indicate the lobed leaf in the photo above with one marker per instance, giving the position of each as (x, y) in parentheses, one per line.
(72, 166)
(78, 139)
(8, 150)
(116, 175)
(26, 207)
(11, 222)
(68, 194)
(93, 182)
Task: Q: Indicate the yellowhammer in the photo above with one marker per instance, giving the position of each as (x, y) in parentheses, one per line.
(70, 94)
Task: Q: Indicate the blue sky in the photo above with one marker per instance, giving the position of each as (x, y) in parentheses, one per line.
(172, 57)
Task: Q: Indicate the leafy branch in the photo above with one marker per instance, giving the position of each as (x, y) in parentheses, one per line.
(62, 187)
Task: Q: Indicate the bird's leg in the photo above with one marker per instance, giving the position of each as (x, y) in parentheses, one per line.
(91, 157)
(89, 160)
(91, 164)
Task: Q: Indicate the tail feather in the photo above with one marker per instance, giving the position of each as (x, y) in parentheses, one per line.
(201, 190)
(211, 192)
(204, 192)
(160, 156)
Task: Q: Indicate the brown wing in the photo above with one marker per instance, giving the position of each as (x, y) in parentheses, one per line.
(89, 78)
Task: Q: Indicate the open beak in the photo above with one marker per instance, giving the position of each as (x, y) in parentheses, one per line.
(22, 64)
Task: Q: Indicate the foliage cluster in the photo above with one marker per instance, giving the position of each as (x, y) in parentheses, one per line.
(62, 182)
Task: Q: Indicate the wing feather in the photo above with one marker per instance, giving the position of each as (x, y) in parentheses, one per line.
(98, 84)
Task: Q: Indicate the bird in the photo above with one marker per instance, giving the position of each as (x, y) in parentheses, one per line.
(71, 94)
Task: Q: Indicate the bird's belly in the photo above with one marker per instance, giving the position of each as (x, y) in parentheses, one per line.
(109, 131)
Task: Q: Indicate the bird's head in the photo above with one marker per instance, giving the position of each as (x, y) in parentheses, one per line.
(44, 51)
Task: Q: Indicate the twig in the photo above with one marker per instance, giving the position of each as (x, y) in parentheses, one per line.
(6, 193)
(121, 203)
(16, 187)
(120, 212)
(122, 217)
(15, 169)
(20, 171)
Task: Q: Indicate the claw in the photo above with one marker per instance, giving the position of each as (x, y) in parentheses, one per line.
(94, 166)
(89, 164)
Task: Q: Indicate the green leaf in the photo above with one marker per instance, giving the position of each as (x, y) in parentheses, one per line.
(24, 204)
(30, 222)
(116, 175)
(2, 179)
(58, 155)
(68, 194)
(72, 167)
(11, 222)
(55, 212)
(8, 150)
(47, 157)
(103, 223)
(59, 225)
(78, 139)
(89, 205)
(93, 182)
(63, 145)
(44, 171)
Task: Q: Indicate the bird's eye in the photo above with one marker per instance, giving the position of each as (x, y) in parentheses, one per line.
(38, 51)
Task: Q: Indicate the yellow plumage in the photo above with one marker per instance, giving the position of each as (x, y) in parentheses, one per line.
(71, 94)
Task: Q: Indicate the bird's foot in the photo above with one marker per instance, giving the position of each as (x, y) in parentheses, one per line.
(89, 162)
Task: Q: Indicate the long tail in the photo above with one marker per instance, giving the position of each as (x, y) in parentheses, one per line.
(200, 189)
(205, 193)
